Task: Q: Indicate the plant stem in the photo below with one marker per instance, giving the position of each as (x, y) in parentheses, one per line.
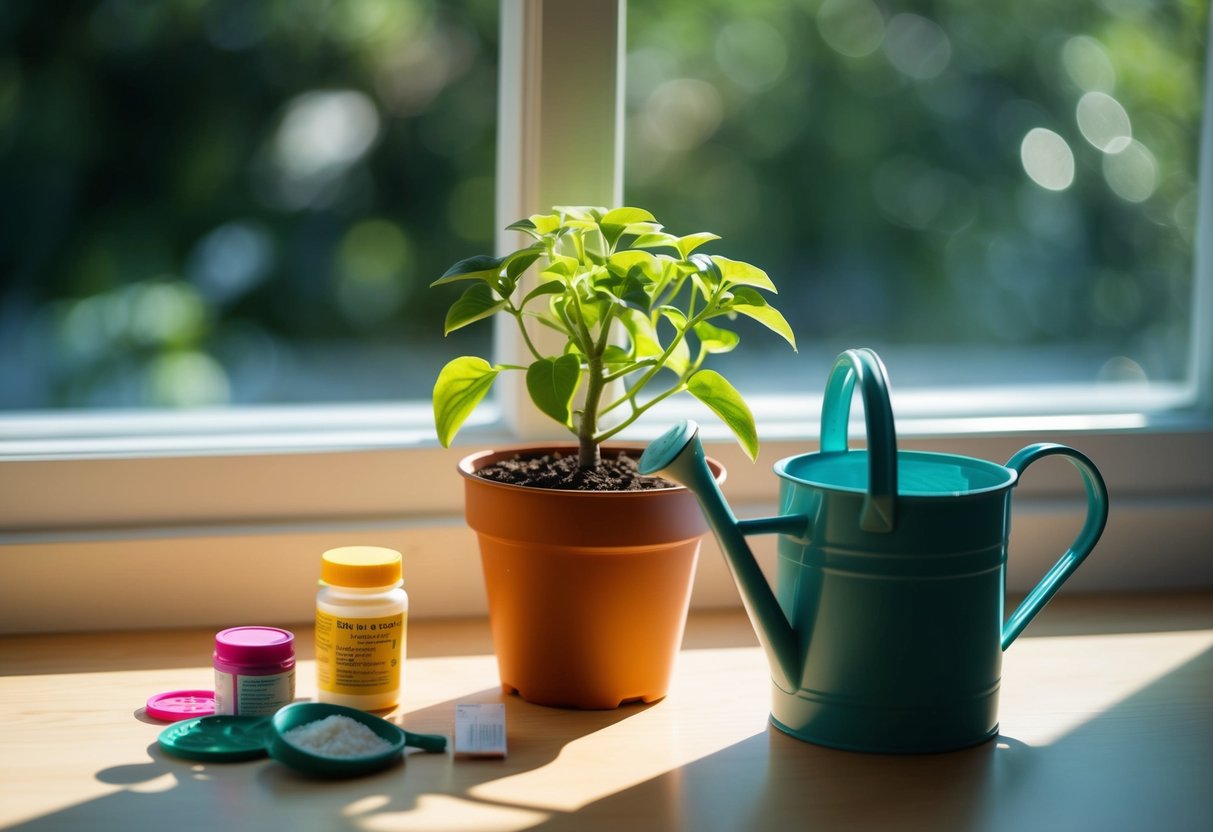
(648, 375)
(637, 412)
(517, 313)
(588, 454)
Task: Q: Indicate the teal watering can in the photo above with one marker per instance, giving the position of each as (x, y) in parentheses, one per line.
(885, 631)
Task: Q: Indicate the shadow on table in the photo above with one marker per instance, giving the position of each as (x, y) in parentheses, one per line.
(165, 792)
(1142, 764)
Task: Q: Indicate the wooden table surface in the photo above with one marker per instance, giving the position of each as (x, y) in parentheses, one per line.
(1107, 724)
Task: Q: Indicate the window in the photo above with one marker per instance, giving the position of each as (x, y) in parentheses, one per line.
(992, 198)
(204, 204)
(248, 498)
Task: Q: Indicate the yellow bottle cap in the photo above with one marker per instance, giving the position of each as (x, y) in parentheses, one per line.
(360, 566)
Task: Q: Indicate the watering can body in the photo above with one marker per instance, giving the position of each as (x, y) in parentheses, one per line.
(903, 631)
(885, 629)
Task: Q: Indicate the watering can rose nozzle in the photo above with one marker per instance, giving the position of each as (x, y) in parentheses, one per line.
(676, 455)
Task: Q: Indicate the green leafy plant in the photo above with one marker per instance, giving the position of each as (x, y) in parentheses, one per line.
(638, 310)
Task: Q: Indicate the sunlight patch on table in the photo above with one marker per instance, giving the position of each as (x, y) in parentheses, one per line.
(648, 744)
(444, 813)
(1079, 665)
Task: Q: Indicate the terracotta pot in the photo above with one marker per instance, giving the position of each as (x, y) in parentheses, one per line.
(588, 590)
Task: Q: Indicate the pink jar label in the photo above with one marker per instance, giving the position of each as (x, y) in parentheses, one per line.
(240, 695)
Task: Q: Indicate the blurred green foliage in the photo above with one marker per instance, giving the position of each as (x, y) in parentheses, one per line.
(199, 196)
(872, 156)
(212, 201)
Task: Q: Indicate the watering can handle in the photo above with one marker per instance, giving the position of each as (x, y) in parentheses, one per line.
(864, 365)
(1097, 518)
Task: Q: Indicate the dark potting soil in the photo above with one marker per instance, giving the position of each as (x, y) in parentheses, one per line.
(561, 471)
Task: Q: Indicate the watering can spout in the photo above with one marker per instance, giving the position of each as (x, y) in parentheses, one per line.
(678, 455)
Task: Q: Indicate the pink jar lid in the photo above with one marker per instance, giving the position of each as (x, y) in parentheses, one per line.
(255, 646)
(175, 705)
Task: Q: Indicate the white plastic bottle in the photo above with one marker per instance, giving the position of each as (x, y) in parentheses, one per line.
(361, 626)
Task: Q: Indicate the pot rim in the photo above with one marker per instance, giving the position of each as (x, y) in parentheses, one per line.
(467, 468)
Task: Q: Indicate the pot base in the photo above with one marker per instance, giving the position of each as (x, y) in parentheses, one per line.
(584, 704)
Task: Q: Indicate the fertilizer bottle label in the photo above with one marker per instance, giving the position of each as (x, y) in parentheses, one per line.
(358, 655)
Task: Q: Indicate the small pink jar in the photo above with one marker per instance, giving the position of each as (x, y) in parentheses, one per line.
(254, 670)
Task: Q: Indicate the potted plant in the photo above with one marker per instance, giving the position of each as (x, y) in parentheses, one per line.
(588, 588)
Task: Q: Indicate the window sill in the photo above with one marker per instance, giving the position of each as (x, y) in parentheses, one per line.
(245, 517)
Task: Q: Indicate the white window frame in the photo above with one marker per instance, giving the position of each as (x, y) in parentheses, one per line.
(137, 519)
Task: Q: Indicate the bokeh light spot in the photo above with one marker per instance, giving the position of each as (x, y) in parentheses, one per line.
(231, 260)
(1104, 122)
(853, 28)
(186, 379)
(1088, 65)
(169, 313)
(751, 53)
(682, 113)
(917, 47)
(1122, 369)
(322, 134)
(1047, 159)
(1132, 174)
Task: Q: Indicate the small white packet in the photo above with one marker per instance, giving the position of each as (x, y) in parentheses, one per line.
(480, 730)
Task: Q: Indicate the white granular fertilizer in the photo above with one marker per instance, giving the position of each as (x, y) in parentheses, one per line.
(337, 736)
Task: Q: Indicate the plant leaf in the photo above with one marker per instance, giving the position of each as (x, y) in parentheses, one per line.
(637, 229)
(563, 267)
(545, 223)
(520, 261)
(680, 359)
(585, 213)
(551, 287)
(525, 226)
(633, 290)
(616, 356)
(691, 242)
(645, 343)
(674, 315)
(748, 302)
(711, 388)
(616, 221)
(622, 262)
(714, 339)
(737, 273)
(480, 267)
(461, 385)
(627, 216)
(552, 383)
(708, 269)
(477, 302)
(655, 239)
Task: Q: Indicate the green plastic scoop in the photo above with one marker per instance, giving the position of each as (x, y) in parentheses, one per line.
(237, 738)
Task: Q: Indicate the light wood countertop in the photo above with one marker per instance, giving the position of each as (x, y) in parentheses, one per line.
(1106, 719)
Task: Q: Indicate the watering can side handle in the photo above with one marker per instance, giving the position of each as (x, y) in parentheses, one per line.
(1097, 518)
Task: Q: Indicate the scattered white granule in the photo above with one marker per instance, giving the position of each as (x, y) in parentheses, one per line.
(337, 736)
